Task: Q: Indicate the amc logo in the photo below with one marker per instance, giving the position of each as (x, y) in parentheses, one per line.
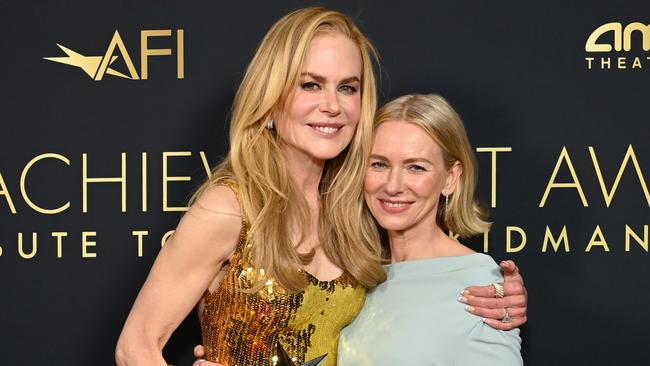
(622, 43)
(98, 66)
(622, 37)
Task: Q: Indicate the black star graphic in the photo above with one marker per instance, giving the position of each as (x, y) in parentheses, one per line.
(285, 360)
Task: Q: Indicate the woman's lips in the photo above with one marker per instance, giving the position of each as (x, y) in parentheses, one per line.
(395, 206)
(326, 129)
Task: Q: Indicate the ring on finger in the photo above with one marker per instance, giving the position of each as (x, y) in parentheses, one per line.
(498, 288)
(506, 317)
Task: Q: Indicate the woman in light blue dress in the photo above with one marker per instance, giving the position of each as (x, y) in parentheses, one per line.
(419, 185)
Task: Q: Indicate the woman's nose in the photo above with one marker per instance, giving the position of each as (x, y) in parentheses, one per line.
(330, 103)
(394, 184)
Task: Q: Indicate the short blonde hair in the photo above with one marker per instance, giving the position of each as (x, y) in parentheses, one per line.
(256, 164)
(465, 216)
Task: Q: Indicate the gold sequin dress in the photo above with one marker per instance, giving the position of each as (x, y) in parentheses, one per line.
(241, 329)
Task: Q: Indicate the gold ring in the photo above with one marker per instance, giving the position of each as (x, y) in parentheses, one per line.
(498, 287)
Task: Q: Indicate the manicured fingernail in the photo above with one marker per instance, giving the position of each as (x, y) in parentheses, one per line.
(485, 321)
(464, 292)
(462, 299)
(469, 308)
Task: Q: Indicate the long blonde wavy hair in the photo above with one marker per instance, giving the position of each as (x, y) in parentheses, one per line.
(465, 215)
(270, 201)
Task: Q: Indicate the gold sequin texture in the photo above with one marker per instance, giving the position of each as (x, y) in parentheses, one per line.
(243, 329)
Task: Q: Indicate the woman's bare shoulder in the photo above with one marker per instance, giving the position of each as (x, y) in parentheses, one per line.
(212, 224)
(219, 199)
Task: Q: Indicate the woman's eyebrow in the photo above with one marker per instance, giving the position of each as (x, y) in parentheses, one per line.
(415, 160)
(322, 79)
(377, 156)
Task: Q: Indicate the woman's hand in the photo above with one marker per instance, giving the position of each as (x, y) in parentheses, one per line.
(485, 302)
(199, 352)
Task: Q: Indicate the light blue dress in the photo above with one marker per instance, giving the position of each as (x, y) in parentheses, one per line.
(414, 318)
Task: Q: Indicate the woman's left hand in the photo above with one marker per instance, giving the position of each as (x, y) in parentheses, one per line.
(199, 352)
(505, 312)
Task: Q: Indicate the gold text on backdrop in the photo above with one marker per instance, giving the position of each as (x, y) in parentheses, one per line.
(97, 66)
(619, 59)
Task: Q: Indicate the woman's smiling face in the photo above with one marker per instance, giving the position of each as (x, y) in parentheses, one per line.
(405, 176)
(320, 116)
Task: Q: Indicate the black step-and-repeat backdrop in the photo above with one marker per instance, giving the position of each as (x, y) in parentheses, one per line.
(113, 112)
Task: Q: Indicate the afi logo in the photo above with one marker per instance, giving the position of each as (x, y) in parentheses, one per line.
(622, 37)
(97, 66)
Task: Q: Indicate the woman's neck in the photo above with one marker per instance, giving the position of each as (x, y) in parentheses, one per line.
(423, 241)
(305, 172)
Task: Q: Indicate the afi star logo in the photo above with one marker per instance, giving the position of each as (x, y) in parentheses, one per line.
(97, 66)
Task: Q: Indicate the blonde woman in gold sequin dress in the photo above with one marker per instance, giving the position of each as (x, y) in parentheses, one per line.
(277, 245)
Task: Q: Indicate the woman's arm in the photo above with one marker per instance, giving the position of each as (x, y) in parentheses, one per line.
(482, 300)
(488, 346)
(204, 239)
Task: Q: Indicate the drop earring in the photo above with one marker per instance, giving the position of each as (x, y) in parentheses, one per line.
(446, 205)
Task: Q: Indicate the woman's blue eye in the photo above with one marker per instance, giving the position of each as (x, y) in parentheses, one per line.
(348, 89)
(377, 164)
(418, 168)
(310, 85)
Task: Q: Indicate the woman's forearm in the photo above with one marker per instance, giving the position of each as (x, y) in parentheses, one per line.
(137, 351)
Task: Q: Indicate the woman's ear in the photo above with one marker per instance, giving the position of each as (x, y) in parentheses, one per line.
(453, 174)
